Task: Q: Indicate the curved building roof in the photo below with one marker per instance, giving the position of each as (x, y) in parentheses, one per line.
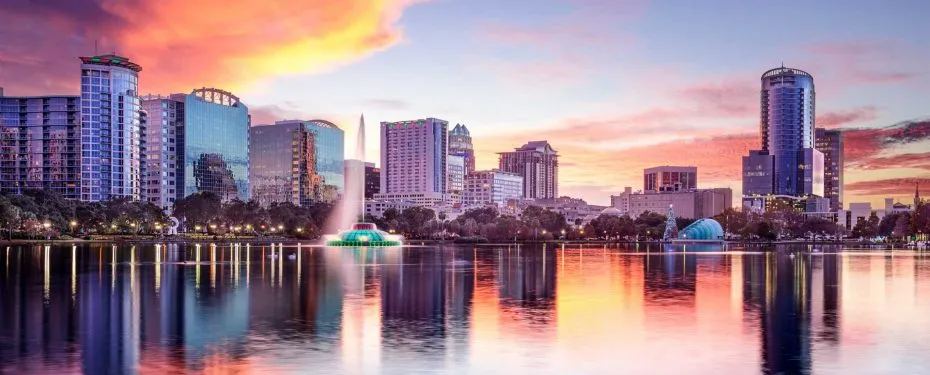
(783, 71)
(703, 229)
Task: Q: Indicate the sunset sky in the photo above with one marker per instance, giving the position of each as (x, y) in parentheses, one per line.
(614, 85)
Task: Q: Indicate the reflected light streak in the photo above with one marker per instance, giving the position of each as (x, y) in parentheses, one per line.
(73, 272)
(212, 266)
(157, 269)
(47, 275)
(113, 268)
(197, 266)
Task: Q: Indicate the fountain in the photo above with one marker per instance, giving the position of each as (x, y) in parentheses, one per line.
(351, 210)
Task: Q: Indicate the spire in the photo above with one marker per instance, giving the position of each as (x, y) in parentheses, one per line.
(916, 195)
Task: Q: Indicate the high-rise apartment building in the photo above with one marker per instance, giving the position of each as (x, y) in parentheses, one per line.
(40, 144)
(460, 145)
(830, 143)
(491, 187)
(787, 151)
(294, 161)
(414, 161)
(538, 163)
(669, 178)
(163, 152)
(111, 131)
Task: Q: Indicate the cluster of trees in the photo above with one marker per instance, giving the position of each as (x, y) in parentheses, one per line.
(205, 212)
(419, 222)
(39, 213)
(896, 226)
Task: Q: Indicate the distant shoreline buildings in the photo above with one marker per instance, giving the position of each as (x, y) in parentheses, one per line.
(110, 142)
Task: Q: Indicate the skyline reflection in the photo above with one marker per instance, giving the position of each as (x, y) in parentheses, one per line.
(554, 309)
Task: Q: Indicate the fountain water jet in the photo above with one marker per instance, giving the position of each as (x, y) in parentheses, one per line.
(348, 218)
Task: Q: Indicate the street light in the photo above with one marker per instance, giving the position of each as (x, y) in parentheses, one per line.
(300, 230)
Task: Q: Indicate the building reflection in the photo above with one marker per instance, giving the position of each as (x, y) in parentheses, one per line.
(413, 303)
(778, 288)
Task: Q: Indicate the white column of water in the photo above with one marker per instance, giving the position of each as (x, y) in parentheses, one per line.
(353, 202)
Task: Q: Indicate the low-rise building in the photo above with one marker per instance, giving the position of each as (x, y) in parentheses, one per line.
(492, 187)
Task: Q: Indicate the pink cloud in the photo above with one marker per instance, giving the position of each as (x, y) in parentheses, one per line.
(840, 118)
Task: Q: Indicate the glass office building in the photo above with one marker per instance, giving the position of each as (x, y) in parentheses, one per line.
(294, 161)
(40, 143)
(787, 129)
(111, 130)
(216, 144)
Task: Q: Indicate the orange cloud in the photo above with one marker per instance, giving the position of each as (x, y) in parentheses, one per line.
(186, 44)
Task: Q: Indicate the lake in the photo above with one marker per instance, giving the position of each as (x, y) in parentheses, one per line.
(113, 309)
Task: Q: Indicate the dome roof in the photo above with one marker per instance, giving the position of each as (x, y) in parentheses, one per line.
(703, 229)
(611, 211)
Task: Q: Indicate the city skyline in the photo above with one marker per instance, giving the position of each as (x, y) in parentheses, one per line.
(612, 85)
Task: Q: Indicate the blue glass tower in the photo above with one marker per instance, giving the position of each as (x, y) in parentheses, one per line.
(788, 167)
(787, 131)
(111, 130)
(215, 144)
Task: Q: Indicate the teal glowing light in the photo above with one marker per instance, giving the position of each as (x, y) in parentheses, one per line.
(702, 230)
(364, 234)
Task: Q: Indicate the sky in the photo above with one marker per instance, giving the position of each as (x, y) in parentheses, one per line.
(614, 85)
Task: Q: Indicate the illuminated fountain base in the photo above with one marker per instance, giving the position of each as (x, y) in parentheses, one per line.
(363, 234)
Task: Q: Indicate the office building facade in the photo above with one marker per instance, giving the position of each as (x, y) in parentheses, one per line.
(40, 144)
(830, 143)
(293, 161)
(538, 163)
(372, 180)
(414, 157)
(669, 178)
(493, 187)
(455, 168)
(787, 164)
(216, 144)
(460, 145)
(111, 130)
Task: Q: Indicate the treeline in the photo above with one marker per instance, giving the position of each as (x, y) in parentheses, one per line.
(39, 213)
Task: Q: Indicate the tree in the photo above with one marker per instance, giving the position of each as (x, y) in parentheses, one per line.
(416, 218)
(198, 209)
(682, 222)
(539, 218)
(650, 224)
(866, 228)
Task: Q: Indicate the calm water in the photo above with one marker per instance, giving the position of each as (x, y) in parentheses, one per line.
(102, 309)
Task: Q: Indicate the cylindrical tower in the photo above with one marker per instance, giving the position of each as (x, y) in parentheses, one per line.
(787, 125)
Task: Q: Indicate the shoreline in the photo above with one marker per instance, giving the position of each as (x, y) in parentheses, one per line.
(283, 240)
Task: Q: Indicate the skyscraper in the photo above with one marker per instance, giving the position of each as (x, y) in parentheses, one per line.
(460, 145)
(164, 157)
(830, 143)
(787, 151)
(372, 180)
(413, 160)
(294, 161)
(538, 163)
(40, 143)
(216, 144)
(111, 133)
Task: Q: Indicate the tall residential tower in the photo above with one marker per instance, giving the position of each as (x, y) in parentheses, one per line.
(111, 129)
(413, 161)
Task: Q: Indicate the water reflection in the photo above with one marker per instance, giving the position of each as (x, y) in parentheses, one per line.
(554, 309)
